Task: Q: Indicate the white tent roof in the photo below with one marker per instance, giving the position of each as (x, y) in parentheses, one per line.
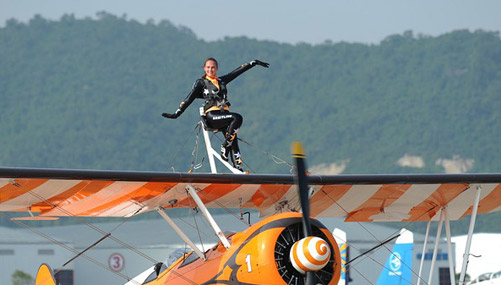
(486, 245)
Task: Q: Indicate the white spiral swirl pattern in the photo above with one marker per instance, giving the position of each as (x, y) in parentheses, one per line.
(310, 254)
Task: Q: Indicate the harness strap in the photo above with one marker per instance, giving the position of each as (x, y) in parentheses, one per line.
(213, 98)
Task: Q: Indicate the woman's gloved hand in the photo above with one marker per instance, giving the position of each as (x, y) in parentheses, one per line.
(172, 116)
(258, 62)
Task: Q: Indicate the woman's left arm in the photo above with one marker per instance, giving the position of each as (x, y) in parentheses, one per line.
(227, 78)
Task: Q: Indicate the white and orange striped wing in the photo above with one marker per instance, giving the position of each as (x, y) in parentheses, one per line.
(55, 193)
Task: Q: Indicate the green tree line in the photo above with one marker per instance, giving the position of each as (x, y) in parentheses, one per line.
(88, 93)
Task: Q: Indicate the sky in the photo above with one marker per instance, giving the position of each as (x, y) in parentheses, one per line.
(290, 21)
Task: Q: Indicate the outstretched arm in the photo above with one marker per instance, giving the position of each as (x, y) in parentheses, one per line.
(227, 78)
(196, 92)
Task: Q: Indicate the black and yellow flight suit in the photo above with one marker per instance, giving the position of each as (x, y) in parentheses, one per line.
(217, 108)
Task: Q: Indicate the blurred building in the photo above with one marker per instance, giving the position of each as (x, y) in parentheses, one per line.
(135, 246)
(25, 250)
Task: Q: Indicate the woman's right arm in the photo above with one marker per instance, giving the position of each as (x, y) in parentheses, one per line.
(196, 92)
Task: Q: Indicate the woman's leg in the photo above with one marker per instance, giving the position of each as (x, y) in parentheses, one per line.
(237, 157)
(229, 123)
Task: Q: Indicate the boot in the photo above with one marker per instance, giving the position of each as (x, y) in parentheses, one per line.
(225, 150)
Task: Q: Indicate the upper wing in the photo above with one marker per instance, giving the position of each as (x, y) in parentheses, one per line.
(54, 192)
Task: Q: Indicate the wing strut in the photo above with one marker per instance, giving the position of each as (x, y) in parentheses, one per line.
(466, 254)
(186, 239)
(208, 216)
(425, 243)
(437, 241)
(449, 246)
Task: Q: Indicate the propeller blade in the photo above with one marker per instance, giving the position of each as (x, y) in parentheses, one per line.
(299, 158)
(302, 183)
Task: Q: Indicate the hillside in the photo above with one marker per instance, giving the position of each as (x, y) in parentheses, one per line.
(89, 94)
(85, 93)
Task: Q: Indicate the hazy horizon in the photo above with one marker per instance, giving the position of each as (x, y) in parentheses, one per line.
(362, 21)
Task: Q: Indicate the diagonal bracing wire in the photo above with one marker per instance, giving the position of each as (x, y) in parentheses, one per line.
(384, 246)
(174, 157)
(69, 214)
(105, 234)
(37, 232)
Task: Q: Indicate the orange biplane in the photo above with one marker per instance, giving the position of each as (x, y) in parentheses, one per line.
(284, 248)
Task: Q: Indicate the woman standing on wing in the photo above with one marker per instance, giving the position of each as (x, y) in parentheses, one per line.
(217, 108)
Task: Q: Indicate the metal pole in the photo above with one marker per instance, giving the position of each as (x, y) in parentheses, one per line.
(449, 246)
(207, 215)
(435, 249)
(466, 254)
(211, 153)
(186, 239)
(208, 145)
(224, 162)
(423, 252)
